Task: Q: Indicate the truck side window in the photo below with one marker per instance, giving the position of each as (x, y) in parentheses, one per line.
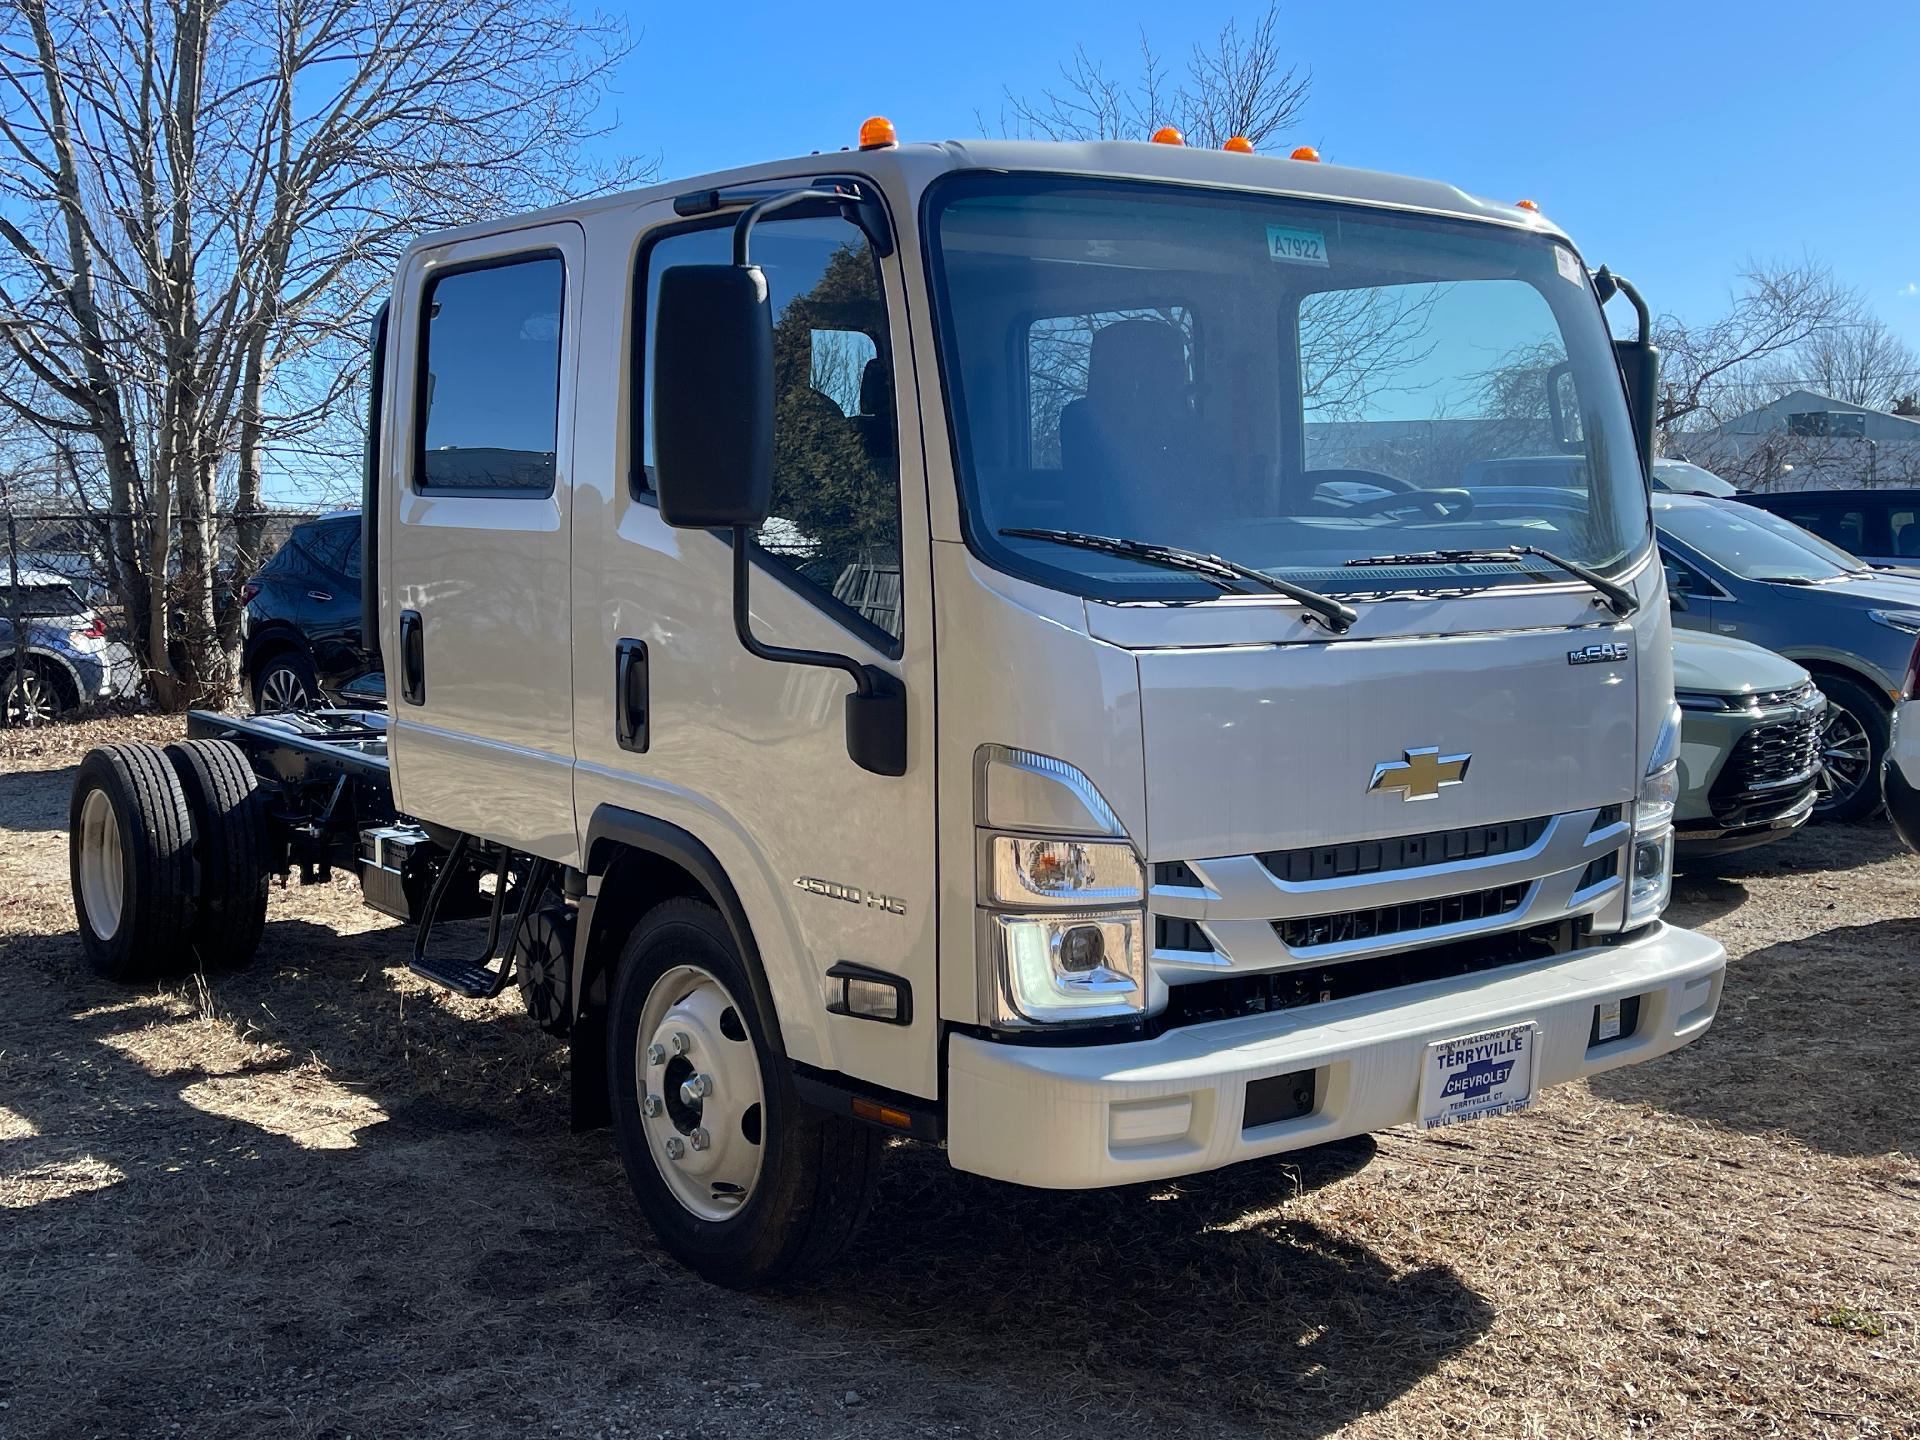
(489, 394)
(835, 524)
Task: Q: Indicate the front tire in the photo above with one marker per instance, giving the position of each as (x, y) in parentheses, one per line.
(130, 846)
(1853, 743)
(741, 1181)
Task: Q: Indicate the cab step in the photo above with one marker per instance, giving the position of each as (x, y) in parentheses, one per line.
(484, 977)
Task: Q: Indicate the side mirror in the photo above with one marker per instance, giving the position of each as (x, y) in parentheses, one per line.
(1640, 369)
(1677, 601)
(713, 397)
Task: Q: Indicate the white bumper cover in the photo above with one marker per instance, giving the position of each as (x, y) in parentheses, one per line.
(1072, 1117)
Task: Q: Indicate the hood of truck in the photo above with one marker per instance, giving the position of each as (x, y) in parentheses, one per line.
(1259, 747)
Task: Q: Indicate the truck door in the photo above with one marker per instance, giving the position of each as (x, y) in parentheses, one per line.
(832, 863)
(478, 563)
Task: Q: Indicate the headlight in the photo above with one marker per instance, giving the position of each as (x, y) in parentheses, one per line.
(1705, 700)
(1907, 622)
(1650, 884)
(1073, 967)
(1062, 914)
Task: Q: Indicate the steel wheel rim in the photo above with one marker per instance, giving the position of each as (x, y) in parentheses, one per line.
(103, 879)
(1846, 757)
(708, 1147)
(283, 690)
(29, 700)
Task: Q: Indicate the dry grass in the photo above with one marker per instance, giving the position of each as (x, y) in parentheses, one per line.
(322, 1199)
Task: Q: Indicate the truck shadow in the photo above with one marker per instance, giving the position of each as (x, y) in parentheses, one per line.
(36, 800)
(345, 1205)
(1815, 1037)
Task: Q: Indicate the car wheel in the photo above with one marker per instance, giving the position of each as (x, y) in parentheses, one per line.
(741, 1180)
(31, 697)
(1853, 742)
(286, 682)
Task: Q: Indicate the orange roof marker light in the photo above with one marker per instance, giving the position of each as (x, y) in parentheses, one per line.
(877, 133)
(1527, 205)
(1306, 153)
(1167, 135)
(1239, 144)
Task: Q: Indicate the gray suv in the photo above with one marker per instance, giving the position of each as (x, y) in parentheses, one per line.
(66, 660)
(1733, 569)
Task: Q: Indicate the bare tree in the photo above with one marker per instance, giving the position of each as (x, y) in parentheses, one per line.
(1237, 84)
(198, 201)
(1858, 360)
(1709, 371)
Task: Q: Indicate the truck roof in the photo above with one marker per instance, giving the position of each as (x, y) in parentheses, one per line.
(914, 166)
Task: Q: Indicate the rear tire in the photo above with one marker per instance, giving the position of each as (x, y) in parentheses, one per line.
(229, 846)
(812, 1173)
(287, 681)
(130, 847)
(1853, 743)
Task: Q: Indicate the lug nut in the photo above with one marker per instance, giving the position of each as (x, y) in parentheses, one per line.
(680, 1042)
(674, 1148)
(700, 1139)
(656, 1054)
(696, 1088)
(650, 1107)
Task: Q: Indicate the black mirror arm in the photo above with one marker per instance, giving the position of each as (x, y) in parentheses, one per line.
(1607, 284)
(754, 213)
(781, 654)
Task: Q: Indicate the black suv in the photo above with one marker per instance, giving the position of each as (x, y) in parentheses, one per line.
(300, 631)
(1882, 527)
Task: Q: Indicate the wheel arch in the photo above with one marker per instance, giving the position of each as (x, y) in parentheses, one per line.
(63, 669)
(264, 644)
(1819, 664)
(640, 861)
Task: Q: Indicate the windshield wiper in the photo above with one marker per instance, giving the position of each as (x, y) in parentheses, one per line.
(1337, 615)
(1619, 599)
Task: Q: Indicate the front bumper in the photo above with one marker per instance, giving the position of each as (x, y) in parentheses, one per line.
(1702, 840)
(1074, 1117)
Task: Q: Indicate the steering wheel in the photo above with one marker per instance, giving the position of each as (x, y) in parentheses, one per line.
(1449, 504)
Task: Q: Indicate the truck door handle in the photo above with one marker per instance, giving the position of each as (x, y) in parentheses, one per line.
(630, 718)
(413, 658)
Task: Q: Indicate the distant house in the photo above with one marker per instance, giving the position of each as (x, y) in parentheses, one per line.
(1808, 441)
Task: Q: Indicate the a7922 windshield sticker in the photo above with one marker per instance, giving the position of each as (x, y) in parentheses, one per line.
(1296, 247)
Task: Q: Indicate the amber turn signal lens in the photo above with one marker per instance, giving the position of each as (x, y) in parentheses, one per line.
(1307, 153)
(1526, 205)
(1239, 144)
(877, 132)
(1167, 135)
(880, 1114)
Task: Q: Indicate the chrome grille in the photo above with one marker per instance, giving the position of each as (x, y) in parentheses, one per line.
(1248, 914)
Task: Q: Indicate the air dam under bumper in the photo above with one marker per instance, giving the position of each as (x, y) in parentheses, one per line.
(1075, 1117)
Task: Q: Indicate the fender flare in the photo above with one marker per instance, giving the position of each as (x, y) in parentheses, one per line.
(67, 667)
(613, 829)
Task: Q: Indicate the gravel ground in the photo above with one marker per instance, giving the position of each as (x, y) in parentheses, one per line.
(321, 1198)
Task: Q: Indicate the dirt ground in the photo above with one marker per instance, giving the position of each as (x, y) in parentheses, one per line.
(321, 1198)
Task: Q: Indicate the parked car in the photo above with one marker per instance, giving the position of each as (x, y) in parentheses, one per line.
(1736, 570)
(1678, 477)
(1750, 724)
(1882, 527)
(1900, 775)
(69, 660)
(300, 630)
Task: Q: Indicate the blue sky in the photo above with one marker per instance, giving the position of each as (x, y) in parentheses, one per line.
(1689, 137)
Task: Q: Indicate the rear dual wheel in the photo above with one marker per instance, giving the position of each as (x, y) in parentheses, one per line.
(168, 856)
(741, 1180)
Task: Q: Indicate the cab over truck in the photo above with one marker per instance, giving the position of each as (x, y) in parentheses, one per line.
(994, 643)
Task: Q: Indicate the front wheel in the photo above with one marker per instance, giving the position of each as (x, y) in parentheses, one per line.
(286, 682)
(741, 1181)
(1853, 742)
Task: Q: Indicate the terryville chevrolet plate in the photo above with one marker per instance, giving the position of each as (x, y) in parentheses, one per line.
(1475, 1076)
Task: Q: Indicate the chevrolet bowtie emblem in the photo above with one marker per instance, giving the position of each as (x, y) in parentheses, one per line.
(1422, 775)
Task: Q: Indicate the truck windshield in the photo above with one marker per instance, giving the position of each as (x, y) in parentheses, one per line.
(1290, 385)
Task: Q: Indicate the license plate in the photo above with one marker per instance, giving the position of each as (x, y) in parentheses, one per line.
(1475, 1076)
